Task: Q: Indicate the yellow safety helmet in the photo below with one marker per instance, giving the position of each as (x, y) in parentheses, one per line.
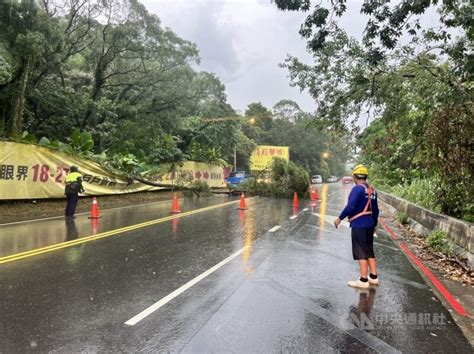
(360, 170)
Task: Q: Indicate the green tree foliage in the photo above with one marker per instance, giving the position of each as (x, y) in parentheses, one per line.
(261, 114)
(289, 126)
(387, 21)
(423, 139)
(307, 145)
(287, 109)
(417, 96)
(109, 68)
(339, 81)
(105, 78)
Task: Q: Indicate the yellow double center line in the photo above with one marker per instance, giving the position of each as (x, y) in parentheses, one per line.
(35, 252)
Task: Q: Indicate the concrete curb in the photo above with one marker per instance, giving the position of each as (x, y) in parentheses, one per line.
(460, 232)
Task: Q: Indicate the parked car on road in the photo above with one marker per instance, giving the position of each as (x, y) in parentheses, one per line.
(332, 179)
(236, 178)
(347, 180)
(316, 179)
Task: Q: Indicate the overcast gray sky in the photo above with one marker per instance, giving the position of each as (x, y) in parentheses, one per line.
(243, 41)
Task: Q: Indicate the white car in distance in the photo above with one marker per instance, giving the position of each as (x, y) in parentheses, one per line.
(316, 179)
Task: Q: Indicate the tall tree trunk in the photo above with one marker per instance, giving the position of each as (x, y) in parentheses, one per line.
(18, 107)
(3, 114)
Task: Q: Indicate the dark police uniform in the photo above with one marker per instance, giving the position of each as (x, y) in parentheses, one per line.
(72, 190)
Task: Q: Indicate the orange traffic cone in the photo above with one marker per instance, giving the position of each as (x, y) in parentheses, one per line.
(295, 200)
(175, 206)
(314, 195)
(95, 209)
(242, 202)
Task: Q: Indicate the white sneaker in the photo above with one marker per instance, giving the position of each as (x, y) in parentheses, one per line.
(373, 281)
(358, 284)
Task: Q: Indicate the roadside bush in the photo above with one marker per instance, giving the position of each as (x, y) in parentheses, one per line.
(378, 179)
(298, 179)
(422, 192)
(425, 192)
(199, 189)
(402, 218)
(279, 171)
(438, 241)
(468, 212)
(286, 178)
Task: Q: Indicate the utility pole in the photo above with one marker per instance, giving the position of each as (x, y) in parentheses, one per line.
(235, 159)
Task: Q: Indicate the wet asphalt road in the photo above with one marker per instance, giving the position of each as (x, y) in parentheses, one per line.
(285, 292)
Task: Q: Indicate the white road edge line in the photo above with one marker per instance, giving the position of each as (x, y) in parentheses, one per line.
(330, 219)
(137, 318)
(305, 209)
(293, 217)
(274, 228)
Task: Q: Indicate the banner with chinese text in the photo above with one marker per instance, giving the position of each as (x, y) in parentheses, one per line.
(263, 155)
(34, 172)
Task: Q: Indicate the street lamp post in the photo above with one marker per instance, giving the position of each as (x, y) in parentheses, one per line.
(250, 120)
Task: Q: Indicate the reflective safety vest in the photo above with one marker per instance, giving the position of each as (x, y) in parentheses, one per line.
(72, 177)
(368, 207)
(72, 183)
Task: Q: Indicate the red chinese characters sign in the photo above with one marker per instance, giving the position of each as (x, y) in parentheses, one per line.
(263, 155)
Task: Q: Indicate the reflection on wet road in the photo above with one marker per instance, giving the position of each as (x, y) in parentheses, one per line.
(248, 281)
(23, 237)
(322, 212)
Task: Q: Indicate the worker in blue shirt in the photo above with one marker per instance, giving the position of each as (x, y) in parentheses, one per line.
(363, 212)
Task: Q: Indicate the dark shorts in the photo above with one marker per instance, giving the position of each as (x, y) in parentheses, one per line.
(363, 243)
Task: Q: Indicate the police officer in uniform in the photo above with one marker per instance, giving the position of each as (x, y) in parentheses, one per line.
(362, 210)
(72, 190)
